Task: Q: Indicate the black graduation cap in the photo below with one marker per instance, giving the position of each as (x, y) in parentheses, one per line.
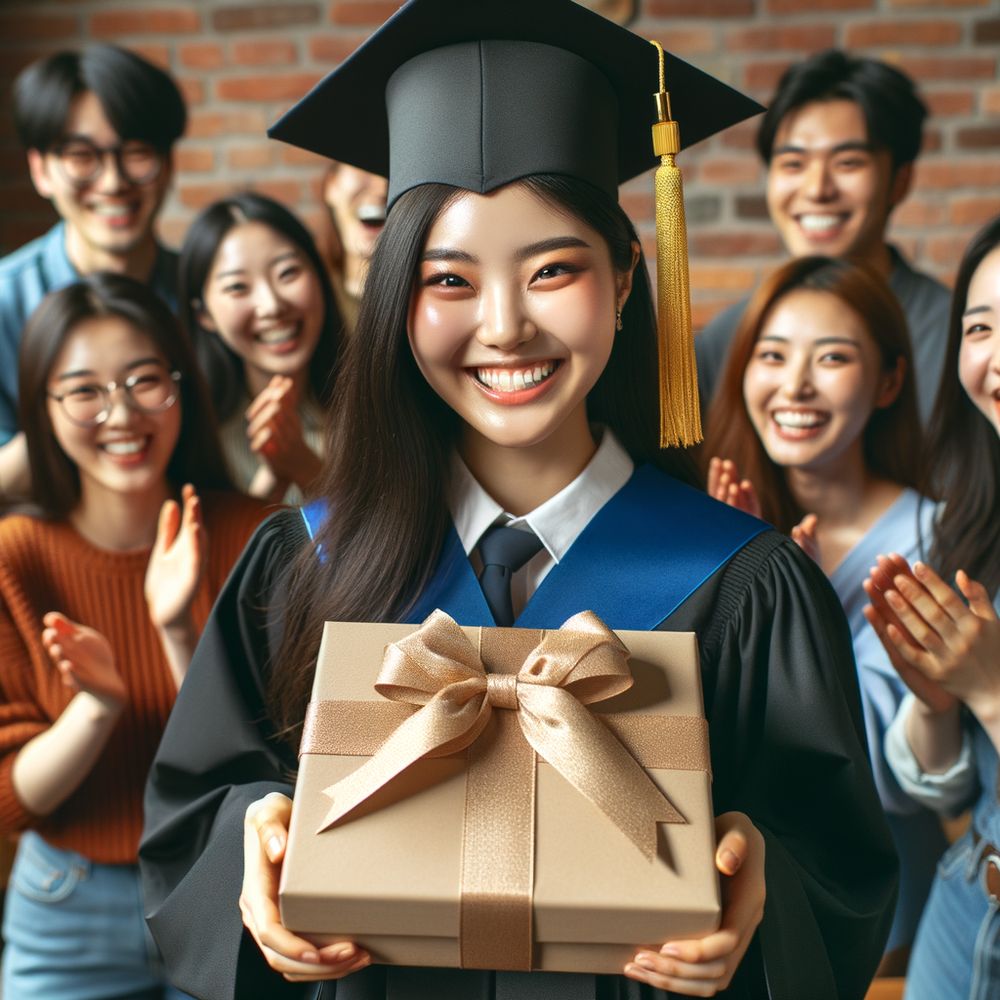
(478, 93)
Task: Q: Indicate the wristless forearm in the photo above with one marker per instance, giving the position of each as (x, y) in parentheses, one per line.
(934, 737)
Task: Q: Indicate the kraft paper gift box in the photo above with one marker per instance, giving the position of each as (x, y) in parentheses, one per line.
(493, 855)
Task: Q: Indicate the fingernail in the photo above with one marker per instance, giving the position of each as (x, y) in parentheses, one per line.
(645, 961)
(670, 949)
(274, 846)
(309, 956)
(731, 861)
(919, 569)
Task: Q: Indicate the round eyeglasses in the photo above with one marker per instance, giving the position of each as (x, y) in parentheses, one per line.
(82, 161)
(151, 390)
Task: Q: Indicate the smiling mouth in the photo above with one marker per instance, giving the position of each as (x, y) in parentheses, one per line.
(372, 216)
(820, 224)
(278, 336)
(115, 214)
(127, 451)
(515, 379)
(799, 424)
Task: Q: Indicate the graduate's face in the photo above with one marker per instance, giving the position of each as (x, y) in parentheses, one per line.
(979, 351)
(128, 452)
(264, 299)
(356, 200)
(513, 314)
(829, 190)
(813, 381)
(110, 213)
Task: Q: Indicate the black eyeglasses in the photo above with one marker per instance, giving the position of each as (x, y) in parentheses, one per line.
(151, 390)
(82, 161)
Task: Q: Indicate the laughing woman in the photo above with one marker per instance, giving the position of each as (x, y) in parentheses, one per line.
(260, 309)
(501, 389)
(943, 745)
(817, 411)
(102, 596)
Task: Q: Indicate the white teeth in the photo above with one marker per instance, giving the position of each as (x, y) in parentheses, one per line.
(278, 335)
(505, 380)
(111, 211)
(374, 215)
(124, 447)
(817, 223)
(798, 418)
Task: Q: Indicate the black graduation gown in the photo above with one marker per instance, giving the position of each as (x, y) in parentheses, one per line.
(787, 748)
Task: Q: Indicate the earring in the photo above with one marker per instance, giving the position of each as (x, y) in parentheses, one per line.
(618, 319)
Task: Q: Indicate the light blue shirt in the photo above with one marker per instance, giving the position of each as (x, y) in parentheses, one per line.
(26, 276)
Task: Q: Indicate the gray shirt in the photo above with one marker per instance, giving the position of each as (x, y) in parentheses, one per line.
(925, 301)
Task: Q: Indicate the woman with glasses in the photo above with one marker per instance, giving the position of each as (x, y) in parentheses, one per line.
(104, 588)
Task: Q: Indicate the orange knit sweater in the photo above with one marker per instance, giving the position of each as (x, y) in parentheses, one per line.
(46, 566)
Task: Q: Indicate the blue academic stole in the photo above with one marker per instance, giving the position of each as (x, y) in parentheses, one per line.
(653, 544)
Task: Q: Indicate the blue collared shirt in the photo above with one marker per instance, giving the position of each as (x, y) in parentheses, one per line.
(26, 277)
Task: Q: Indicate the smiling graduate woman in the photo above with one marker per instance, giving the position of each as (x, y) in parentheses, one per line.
(502, 384)
(104, 588)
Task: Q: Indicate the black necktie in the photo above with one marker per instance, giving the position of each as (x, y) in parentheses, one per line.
(504, 551)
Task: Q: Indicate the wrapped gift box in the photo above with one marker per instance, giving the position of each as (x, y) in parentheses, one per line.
(490, 856)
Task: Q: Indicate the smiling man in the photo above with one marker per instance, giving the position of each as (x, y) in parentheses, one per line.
(99, 128)
(839, 140)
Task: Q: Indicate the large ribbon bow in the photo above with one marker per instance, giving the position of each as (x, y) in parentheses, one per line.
(438, 668)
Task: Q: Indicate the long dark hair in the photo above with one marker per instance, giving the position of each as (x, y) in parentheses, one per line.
(55, 480)
(389, 451)
(222, 366)
(964, 451)
(891, 439)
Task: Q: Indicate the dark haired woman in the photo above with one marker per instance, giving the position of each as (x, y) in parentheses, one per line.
(503, 374)
(943, 745)
(817, 409)
(103, 592)
(258, 303)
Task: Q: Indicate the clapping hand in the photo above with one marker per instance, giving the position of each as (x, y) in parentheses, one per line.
(83, 657)
(274, 430)
(804, 536)
(945, 649)
(724, 484)
(177, 562)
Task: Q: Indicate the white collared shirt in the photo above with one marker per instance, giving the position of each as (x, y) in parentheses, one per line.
(557, 522)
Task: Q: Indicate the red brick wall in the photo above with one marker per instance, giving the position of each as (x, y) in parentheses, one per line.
(242, 63)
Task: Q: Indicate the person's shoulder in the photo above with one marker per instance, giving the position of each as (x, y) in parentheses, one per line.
(24, 265)
(917, 290)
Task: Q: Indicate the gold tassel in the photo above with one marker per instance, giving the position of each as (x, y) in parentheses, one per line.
(680, 410)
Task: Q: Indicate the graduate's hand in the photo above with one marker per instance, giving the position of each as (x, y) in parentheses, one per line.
(953, 644)
(724, 484)
(177, 562)
(83, 658)
(274, 430)
(265, 836)
(705, 966)
(804, 536)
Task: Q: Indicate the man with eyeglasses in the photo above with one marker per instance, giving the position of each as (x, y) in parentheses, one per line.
(99, 128)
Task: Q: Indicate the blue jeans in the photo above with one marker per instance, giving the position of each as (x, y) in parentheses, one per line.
(957, 952)
(74, 930)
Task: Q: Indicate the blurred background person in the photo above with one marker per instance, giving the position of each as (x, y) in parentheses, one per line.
(260, 309)
(99, 127)
(356, 205)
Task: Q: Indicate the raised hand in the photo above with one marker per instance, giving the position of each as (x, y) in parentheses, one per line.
(951, 644)
(724, 484)
(265, 836)
(274, 430)
(702, 967)
(83, 657)
(177, 562)
(804, 536)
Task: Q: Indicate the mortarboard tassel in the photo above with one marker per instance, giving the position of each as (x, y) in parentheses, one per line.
(680, 411)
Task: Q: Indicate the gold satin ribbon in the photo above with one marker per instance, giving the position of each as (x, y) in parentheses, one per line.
(437, 668)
